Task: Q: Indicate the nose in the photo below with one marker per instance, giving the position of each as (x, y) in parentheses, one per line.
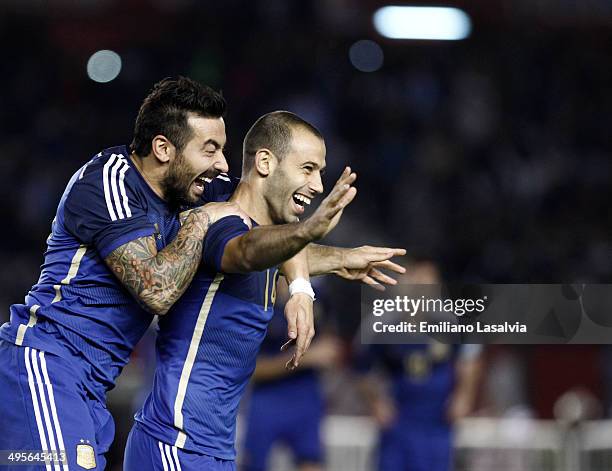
(221, 164)
(315, 184)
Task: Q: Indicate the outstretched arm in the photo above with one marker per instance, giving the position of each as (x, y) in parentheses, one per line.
(158, 279)
(267, 246)
(360, 263)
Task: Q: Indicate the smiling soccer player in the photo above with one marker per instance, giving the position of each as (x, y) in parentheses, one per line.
(207, 346)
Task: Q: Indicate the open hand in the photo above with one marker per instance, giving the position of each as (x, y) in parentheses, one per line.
(365, 263)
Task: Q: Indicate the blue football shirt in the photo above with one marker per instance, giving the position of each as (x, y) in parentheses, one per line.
(78, 309)
(206, 351)
(422, 377)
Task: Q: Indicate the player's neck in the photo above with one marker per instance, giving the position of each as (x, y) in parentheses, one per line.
(251, 202)
(152, 173)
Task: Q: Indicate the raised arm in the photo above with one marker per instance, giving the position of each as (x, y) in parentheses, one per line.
(266, 246)
(158, 279)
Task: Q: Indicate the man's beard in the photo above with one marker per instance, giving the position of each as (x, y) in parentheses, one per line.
(177, 183)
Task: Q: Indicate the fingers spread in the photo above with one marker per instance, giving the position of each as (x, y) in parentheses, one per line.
(381, 277)
(344, 175)
(373, 283)
(339, 191)
(347, 197)
(389, 265)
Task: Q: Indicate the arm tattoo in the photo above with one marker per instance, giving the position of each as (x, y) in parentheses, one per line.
(158, 279)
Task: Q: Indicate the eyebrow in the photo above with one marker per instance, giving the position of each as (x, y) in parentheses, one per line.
(213, 142)
(310, 162)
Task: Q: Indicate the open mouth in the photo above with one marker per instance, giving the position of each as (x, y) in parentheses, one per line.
(199, 184)
(300, 201)
(201, 181)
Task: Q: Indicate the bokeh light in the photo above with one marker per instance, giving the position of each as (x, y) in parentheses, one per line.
(104, 66)
(366, 56)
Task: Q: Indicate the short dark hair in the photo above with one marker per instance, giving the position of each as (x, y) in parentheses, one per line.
(273, 131)
(165, 111)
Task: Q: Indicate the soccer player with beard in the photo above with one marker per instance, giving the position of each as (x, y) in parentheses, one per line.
(117, 255)
(207, 346)
(115, 248)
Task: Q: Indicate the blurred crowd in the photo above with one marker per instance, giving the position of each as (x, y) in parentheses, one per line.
(489, 157)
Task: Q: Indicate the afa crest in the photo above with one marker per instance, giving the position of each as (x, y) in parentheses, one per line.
(86, 456)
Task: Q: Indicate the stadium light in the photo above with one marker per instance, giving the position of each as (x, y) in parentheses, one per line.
(433, 23)
(104, 66)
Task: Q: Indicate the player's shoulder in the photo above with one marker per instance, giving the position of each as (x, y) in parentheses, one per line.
(220, 188)
(232, 221)
(109, 179)
(106, 162)
(110, 172)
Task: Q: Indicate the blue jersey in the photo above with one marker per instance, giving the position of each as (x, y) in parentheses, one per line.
(206, 351)
(422, 377)
(78, 309)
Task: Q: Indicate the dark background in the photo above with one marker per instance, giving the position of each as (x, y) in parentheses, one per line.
(490, 156)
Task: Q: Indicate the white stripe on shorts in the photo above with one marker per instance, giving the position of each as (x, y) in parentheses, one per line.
(56, 422)
(39, 425)
(43, 402)
(163, 455)
(169, 456)
(176, 459)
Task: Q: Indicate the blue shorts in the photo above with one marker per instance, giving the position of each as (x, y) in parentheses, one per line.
(415, 446)
(143, 452)
(273, 418)
(44, 406)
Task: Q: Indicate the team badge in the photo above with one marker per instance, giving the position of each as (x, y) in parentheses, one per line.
(86, 457)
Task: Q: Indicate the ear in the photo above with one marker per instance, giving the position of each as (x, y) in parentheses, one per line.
(265, 162)
(162, 149)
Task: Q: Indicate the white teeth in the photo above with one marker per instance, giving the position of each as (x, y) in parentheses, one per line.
(207, 180)
(302, 198)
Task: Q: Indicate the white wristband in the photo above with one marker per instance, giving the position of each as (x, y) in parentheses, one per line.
(301, 285)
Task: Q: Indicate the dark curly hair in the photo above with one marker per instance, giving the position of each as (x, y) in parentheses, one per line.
(165, 111)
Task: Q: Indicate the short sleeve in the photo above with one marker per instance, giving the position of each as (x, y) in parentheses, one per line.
(217, 237)
(103, 210)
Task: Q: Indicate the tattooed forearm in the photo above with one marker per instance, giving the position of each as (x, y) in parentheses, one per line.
(158, 279)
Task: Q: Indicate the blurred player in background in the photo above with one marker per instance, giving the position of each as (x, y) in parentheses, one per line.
(207, 348)
(432, 387)
(287, 407)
